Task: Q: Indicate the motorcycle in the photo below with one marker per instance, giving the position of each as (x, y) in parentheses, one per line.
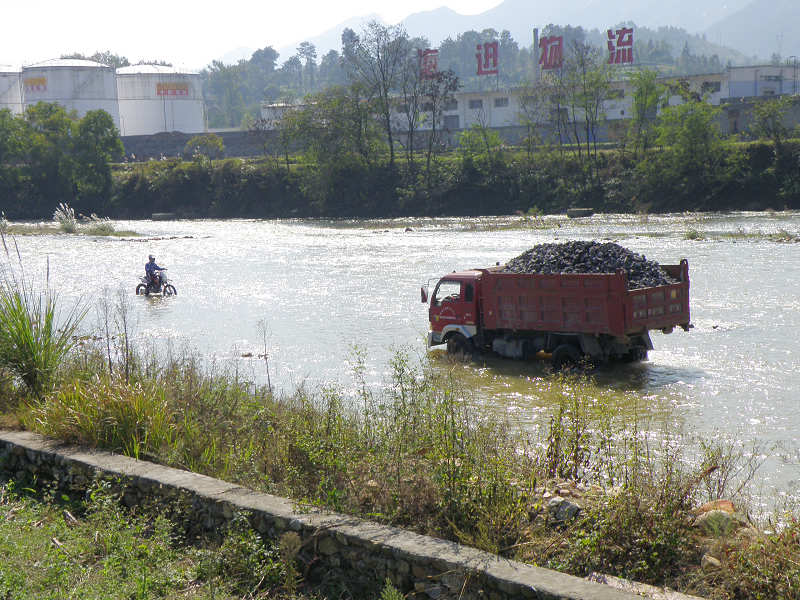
(157, 284)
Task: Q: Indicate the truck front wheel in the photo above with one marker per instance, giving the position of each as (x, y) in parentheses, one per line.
(565, 356)
(459, 346)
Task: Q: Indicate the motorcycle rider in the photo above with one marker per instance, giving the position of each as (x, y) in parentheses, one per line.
(150, 268)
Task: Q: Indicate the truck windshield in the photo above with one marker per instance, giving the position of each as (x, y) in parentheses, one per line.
(447, 291)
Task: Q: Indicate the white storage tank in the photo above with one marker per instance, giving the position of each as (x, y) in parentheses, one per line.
(156, 98)
(79, 85)
(11, 89)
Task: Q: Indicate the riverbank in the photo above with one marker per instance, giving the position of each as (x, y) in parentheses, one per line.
(739, 176)
(582, 494)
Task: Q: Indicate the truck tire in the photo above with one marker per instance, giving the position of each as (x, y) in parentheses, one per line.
(460, 347)
(635, 355)
(565, 356)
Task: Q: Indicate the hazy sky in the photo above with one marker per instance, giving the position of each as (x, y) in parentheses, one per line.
(188, 34)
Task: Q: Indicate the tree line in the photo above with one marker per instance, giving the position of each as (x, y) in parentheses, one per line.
(49, 156)
(234, 93)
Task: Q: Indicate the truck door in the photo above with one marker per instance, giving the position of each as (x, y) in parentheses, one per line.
(453, 303)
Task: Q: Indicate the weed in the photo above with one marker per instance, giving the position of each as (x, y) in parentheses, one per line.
(64, 215)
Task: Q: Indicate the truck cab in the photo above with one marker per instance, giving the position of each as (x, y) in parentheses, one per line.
(454, 311)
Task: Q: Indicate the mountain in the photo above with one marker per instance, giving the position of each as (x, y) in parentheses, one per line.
(330, 39)
(761, 28)
(726, 20)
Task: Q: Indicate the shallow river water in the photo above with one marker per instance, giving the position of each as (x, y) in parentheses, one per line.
(323, 287)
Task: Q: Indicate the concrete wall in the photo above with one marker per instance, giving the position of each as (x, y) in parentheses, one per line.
(360, 552)
(237, 143)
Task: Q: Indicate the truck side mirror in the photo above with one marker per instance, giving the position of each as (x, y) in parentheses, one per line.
(423, 294)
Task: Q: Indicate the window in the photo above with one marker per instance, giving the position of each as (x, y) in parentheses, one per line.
(475, 104)
(447, 291)
(500, 102)
(616, 94)
(451, 122)
(711, 87)
(427, 106)
(451, 105)
(468, 293)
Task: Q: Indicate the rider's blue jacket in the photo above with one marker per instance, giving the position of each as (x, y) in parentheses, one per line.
(149, 267)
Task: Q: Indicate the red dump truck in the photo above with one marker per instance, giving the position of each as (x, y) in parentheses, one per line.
(571, 316)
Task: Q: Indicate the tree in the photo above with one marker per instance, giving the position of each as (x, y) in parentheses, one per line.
(207, 146)
(411, 86)
(50, 158)
(437, 91)
(224, 85)
(769, 120)
(376, 59)
(96, 146)
(331, 71)
(588, 84)
(307, 52)
(648, 96)
(335, 123)
(106, 58)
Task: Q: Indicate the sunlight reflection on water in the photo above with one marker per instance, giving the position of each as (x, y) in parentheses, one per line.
(323, 287)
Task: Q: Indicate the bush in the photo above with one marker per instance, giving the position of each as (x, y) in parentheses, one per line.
(33, 340)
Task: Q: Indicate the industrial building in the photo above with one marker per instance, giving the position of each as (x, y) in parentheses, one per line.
(506, 109)
(11, 89)
(155, 98)
(79, 85)
(141, 99)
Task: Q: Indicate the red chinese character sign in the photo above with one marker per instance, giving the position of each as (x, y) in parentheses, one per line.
(620, 46)
(552, 52)
(488, 58)
(428, 63)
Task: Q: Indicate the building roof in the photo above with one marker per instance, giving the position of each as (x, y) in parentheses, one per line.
(10, 69)
(153, 70)
(67, 63)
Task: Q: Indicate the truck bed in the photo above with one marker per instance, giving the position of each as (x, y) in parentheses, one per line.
(583, 303)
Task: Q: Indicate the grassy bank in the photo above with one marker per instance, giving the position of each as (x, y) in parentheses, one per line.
(54, 546)
(418, 453)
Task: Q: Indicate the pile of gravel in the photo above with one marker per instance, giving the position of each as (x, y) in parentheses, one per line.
(590, 257)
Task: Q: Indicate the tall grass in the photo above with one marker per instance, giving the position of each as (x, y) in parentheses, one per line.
(64, 215)
(34, 335)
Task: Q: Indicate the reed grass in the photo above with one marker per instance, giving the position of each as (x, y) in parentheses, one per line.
(34, 336)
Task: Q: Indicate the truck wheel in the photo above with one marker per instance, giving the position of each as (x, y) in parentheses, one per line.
(460, 347)
(565, 356)
(635, 355)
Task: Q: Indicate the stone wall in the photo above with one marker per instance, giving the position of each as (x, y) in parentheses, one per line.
(361, 553)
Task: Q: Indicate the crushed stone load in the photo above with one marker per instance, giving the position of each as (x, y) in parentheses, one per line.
(590, 257)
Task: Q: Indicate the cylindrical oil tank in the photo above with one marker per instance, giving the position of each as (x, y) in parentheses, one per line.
(156, 98)
(79, 85)
(11, 89)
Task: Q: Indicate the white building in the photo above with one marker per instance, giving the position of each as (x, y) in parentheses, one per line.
(762, 80)
(79, 85)
(155, 98)
(11, 89)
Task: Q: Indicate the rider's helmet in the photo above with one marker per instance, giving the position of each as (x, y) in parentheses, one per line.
(151, 257)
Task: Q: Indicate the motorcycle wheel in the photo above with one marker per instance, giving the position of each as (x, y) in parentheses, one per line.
(169, 290)
(140, 289)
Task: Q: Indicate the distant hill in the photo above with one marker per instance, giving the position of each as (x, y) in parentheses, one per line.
(761, 28)
(330, 39)
(725, 21)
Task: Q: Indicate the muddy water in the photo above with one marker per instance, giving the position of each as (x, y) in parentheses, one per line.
(322, 288)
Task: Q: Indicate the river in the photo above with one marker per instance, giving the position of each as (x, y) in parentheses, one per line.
(322, 288)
